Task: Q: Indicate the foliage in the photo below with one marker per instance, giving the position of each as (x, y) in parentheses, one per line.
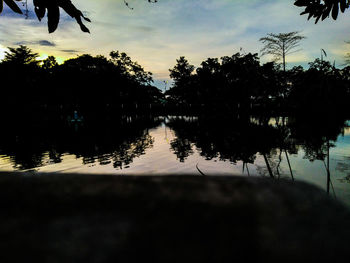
(321, 9)
(21, 55)
(314, 8)
(49, 64)
(233, 81)
(93, 84)
(182, 74)
(238, 83)
(53, 12)
(51, 7)
(130, 68)
(321, 88)
(11, 4)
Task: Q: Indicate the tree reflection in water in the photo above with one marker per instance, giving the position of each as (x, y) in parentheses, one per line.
(242, 139)
(117, 142)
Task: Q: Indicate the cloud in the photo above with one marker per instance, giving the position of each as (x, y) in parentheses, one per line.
(46, 43)
(70, 51)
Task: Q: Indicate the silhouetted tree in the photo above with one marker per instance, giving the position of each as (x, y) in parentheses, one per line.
(20, 68)
(130, 68)
(322, 88)
(280, 45)
(229, 83)
(209, 75)
(21, 55)
(182, 74)
(94, 85)
(49, 63)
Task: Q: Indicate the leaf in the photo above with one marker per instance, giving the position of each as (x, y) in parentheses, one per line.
(322, 8)
(310, 15)
(300, 3)
(86, 19)
(53, 16)
(13, 6)
(342, 5)
(40, 12)
(326, 12)
(317, 18)
(84, 28)
(39, 8)
(335, 11)
(71, 10)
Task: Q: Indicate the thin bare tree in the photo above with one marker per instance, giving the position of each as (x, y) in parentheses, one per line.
(280, 45)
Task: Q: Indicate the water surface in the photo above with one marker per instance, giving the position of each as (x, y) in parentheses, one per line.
(187, 145)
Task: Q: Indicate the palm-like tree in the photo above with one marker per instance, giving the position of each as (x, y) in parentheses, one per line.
(280, 45)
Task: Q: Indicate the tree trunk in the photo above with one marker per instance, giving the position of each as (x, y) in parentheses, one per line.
(284, 57)
(328, 172)
(268, 166)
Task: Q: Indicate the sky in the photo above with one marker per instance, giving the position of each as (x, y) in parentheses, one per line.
(155, 35)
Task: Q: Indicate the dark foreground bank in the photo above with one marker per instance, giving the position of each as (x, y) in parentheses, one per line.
(93, 218)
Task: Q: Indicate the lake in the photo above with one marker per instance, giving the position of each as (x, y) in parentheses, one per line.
(234, 145)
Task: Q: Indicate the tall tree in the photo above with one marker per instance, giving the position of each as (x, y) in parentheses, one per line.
(21, 55)
(280, 45)
(181, 71)
(182, 74)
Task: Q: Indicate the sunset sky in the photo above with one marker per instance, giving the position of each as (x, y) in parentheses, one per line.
(155, 35)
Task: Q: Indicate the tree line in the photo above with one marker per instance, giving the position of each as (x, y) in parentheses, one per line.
(241, 83)
(92, 85)
(98, 86)
(118, 142)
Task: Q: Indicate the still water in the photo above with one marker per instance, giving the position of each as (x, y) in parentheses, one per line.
(187, 145)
